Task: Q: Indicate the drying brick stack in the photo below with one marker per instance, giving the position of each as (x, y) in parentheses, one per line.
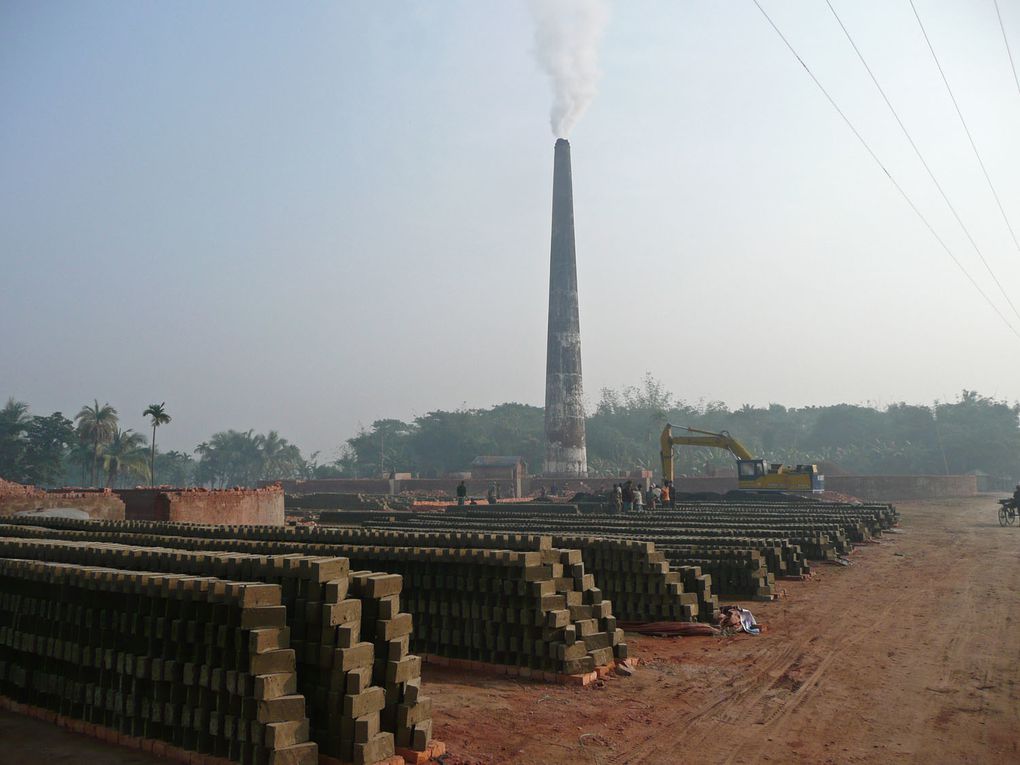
(536, 611)
(326, 609)
(197, 662)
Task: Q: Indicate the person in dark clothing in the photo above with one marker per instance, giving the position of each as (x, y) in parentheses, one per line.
(461, 493)
(1016, 497)
(628, 496)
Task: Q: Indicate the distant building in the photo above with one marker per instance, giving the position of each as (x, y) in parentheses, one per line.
(509, 472)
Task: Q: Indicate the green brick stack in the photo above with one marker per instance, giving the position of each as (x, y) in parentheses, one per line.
(198, 662)
(484, 605)
(324, 623)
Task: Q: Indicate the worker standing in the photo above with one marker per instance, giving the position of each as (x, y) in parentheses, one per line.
(639, 499)
(617, 498)
(666, 495)
(461, 493)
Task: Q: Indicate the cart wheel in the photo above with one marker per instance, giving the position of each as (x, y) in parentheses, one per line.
(1004, 519)
(1011, 518)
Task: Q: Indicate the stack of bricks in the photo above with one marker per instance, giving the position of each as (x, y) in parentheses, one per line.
(735, 571)
(406, 711)
(196, 663)
(640, 582)
(632, 575)
(334, 666)
(536, 613)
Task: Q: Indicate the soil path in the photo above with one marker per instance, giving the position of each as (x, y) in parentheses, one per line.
(910, 655)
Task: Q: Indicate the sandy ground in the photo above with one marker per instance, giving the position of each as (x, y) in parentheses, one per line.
(910, 655)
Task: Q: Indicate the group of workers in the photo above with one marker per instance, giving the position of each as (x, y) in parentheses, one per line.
(624, 497)
(629, 497)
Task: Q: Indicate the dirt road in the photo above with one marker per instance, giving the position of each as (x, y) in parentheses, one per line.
(910, 655)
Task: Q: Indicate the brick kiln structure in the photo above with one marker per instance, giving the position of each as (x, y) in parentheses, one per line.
(255, 507)
(101, 504)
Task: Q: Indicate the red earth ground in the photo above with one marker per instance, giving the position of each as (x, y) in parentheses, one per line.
(911, 654)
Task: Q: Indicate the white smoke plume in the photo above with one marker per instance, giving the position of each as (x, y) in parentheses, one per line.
(567, 35)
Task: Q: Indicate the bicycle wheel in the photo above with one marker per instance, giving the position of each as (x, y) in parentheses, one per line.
(1003, 516)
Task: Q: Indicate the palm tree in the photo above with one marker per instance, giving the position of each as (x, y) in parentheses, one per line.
(14, 422)
(96, 424)
(159, 417)
(280, 458)
(124, 453)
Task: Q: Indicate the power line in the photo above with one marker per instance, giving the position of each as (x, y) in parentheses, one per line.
(1012, 64)
(888, 175)
(924, 162)
(966, 129)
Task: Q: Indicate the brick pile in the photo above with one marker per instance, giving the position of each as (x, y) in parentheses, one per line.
(199, 663)
(326, 611)
(635, 577)
(535, 612)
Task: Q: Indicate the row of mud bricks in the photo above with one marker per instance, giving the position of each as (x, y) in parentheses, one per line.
(535, 610)
(743, 546)
(343, 639)
(676, 581)
(633, 575)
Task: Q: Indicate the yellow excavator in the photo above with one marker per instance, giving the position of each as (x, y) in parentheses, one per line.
(753, 473)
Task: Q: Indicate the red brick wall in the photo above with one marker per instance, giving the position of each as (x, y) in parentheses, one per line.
(225, 507)
(98, 503)
(105, 507)
(337, 485)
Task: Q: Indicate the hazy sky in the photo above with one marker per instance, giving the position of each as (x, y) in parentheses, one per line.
(306, 216)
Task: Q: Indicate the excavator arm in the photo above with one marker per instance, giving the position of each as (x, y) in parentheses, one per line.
(721, 440)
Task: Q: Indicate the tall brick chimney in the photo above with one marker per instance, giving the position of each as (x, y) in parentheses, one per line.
(565, 452)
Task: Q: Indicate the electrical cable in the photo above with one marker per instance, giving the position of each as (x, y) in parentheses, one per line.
(1009, 52)
(888, 175)
(966, 129)
(924, 162)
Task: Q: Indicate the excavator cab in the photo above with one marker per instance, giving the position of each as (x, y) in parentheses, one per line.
(750, 470)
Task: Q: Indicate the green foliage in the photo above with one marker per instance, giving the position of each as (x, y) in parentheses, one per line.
(32, 448)
(125, 456)
(440, 442)
(979, 433)
(232, 458)
(96, 426)
(973, 433)
(48, 439)
(175, 468)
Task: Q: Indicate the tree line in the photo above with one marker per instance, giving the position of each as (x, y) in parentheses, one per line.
(973, 432)
(92, 450)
